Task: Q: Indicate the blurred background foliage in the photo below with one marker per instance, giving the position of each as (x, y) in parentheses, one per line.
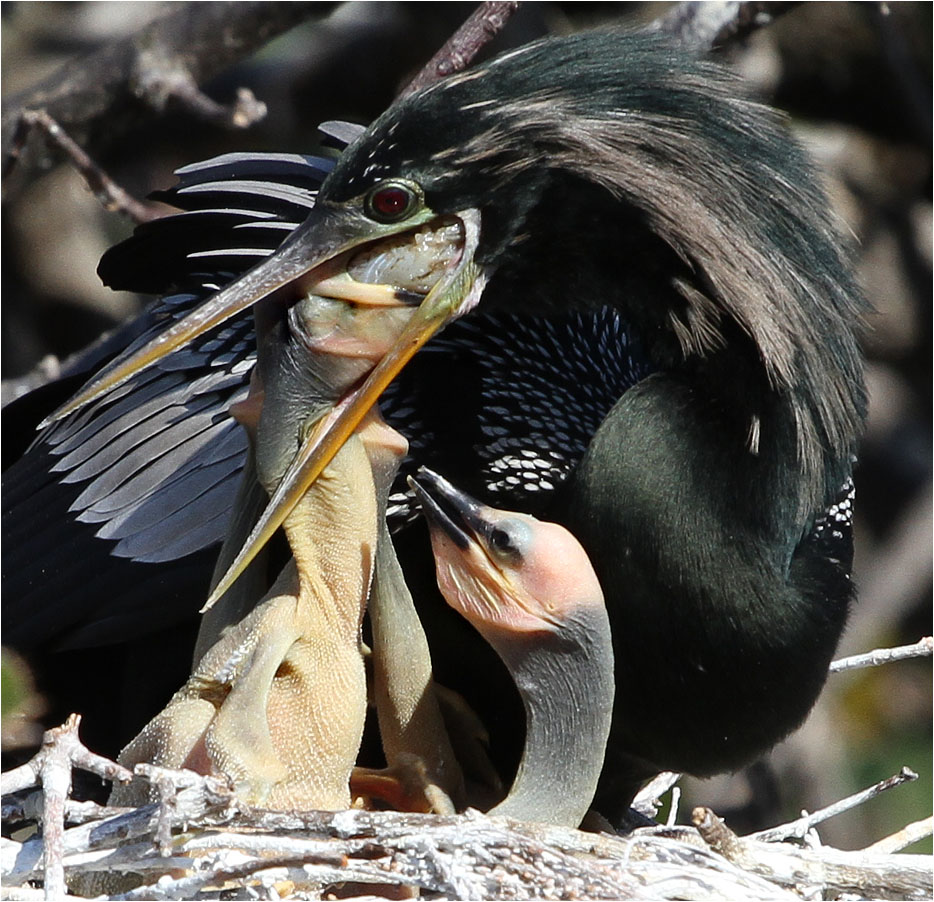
(855, 79)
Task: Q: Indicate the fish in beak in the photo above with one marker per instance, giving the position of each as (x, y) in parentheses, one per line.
(346, 265)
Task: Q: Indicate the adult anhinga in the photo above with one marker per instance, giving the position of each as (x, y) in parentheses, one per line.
(618, 179)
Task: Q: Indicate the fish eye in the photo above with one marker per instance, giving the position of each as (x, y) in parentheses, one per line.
(393, 201)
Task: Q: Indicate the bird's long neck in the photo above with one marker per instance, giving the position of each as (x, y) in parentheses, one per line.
(776, 338)
(566, 684)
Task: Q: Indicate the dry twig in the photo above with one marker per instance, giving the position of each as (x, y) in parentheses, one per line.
(709, 25)
(51, 768)
(460, 49)
(212, 840)
(923, 648)
(100, 92)
(111, 196)
(799, 828)
(909, 834)
(868, 875)
(160, 79)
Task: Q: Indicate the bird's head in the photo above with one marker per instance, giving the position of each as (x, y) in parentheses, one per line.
(507, 573)
(601, 169)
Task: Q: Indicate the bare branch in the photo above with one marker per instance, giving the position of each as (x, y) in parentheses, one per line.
(62, 741)
(870, 875)
(461, 856)
(801, 826)
(459, 50)
(111, 196)
(159, 80)
(923, 648)
(99, 91)
(912, 833)
(200, 800)
(646, 800)
(51, 768)
(703, 26)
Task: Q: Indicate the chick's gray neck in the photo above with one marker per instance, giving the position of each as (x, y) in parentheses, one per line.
(566, 683)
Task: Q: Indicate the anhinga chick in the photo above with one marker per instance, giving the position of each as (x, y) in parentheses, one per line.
(529, 590)
(277, 700)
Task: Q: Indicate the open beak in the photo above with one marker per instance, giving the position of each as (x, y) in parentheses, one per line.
(313, 258)
(316, 260)
(447, 508)
(456, 292)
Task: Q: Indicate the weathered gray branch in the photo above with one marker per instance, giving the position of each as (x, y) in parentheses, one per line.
(202, 836)
(168, 58)
(799, 828)
(483, 25)
(703, 25)
(865, 874)
(923, 648)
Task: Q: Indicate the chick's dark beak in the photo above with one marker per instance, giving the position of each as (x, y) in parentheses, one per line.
(448, 509)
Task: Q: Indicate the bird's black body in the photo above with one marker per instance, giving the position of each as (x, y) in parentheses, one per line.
(656, 247)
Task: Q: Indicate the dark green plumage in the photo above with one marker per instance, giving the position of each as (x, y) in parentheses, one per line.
(610, 170)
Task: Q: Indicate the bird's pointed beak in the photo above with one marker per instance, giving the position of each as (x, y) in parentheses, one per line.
(316, 260)
(312, 257)
(448, 509)
(469, 580)
(504, 594)
(455, 292)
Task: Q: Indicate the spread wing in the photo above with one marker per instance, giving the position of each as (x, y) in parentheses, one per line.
(152, 468)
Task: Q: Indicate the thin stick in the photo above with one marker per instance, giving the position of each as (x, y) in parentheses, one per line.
(29, 774)
(108, 192)
(673, 810)
(800, 827)
(99, 93)
(162, 78)
(904, 837)
(820, 872)
(921, 649)
(56, 785)
(458, 51)
(51, 768)
(709, 26)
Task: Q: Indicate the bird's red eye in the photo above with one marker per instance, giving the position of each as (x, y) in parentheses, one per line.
(390, 203)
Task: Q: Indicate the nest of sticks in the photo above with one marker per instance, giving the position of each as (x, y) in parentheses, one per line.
(200, 842)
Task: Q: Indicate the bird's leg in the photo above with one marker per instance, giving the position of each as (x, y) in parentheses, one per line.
(415, 742)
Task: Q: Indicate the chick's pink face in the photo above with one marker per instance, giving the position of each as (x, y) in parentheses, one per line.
(525, 575)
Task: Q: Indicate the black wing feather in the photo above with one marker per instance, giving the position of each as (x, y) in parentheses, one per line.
(152, 469)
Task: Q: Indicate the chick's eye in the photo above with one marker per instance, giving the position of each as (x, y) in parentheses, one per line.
(501, 540)
(510, 540)
(390, 203)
